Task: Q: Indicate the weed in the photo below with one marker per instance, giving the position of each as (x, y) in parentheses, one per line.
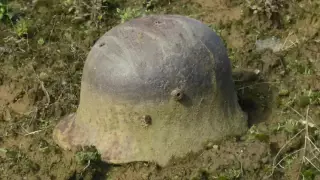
(267, 7)
(256, 134)
(40, 41)
(230, 174)
(216, 28)
(309, 173)
(91, 12)
(309, 98)
(314, 98)
(150, 4)
(308, 154)
(21, 28)
(24, 163)
(88, 155)
(13, 155)
(3, 11)
(8, 14)
(128, 13)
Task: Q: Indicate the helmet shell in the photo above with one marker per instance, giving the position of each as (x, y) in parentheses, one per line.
(154, 88)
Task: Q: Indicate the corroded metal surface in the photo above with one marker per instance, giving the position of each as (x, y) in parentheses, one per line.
(153, 88)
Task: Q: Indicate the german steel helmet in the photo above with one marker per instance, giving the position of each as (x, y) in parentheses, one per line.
(154, 88)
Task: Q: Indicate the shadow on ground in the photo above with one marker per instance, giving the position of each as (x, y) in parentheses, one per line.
(255, 96)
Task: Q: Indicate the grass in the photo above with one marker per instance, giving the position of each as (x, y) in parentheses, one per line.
(308, 154)
(3, 11)
(129, 13)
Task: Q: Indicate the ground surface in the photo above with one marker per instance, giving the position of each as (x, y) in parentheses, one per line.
(44, 43)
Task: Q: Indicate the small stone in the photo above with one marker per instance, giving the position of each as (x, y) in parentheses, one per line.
(216, 147)
(257, 71)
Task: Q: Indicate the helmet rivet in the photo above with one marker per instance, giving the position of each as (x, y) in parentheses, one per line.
(147, 120)
(177, 94)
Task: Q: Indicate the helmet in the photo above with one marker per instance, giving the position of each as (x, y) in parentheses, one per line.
(154, 88)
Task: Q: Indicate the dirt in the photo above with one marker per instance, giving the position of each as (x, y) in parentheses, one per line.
(44, 43)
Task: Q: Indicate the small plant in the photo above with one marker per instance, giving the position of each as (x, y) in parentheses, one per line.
(21, 28)
(290, 126)
(128, 13)
(314, 98)
(308, 154)
(88, 155)
(268, 7)
(308, 97)
(13, 155)
(2, 11)
(40, 41)
(5, 12)
(230, 174)
(309, 173)
(256, 134)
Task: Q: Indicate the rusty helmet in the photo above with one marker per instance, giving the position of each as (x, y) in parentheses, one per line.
(154, 88)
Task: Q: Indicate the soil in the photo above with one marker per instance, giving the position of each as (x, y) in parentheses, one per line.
(43, 46)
